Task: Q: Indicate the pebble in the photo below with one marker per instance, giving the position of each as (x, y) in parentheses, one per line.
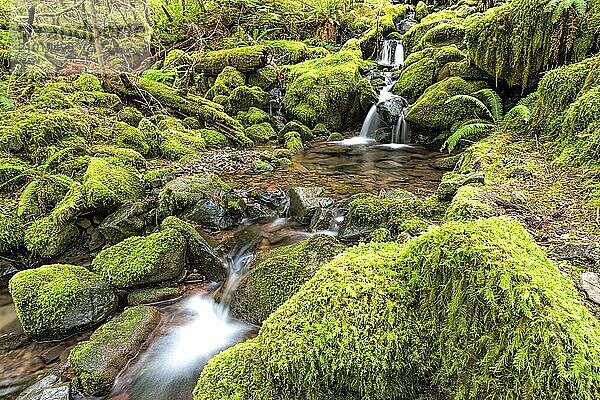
(590, 283)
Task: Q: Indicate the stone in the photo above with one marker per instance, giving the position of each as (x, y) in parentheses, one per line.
(590, 283)
(153, 295)
(49, 388)
(129, 220)
(212, 215)
(56, 301)
(521, 174)
(7, 270)
(139, 261)
(305, 201)
(392, 109)
(97, 362)
(571, 251)
(321, 220)
(452, 182)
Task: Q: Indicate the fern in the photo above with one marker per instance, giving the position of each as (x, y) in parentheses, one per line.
(494, 102)
(29, 195)
(558, 8)
(468, 130)
(474, 100)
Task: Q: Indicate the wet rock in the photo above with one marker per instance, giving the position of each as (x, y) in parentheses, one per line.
(305, 201)
(279, 274)
(154, 295)
(97, 362)
(7, 270)
(383, 135)
(322, 220)
(205, 199)
(12, 341)
(200, 255)
(138, 261)
(56, 301)
(50, 387)
(590, 283)
(258, 211)
(445, 163)
(518, 197)
(129, 220)
(10, 388)
(391, 110)
(586, 252)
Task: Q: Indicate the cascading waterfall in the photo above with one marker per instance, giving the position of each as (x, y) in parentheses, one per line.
(392, 54)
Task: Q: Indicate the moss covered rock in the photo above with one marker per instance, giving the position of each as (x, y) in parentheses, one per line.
(109, 182)
(98, 361)
(243, 59)
(279, 274)
(329, 90)
(437, 317)
(261, 133)
(56, 301)
(47, 239)
(12, 230)
(200, 255)
(141, 260)
(469, 203)
(431, 113)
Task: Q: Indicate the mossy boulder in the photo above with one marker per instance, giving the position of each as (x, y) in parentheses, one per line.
(154, 295)
(253, 116)
(200, 256)
(367, 213)
(243, 59)
(469, 203)
(175, 141)
(295, 126)
(205, 199)
(131, 219)
(139, 260)
(109, 182)
(432, 113)
(279, 274)
(56, 301)
(47, 239)
(329, 90)
(12, 230)
(261, 133)
(88, 83)
(99, 360)
(437, 317)
(452, 181)
(421, 69)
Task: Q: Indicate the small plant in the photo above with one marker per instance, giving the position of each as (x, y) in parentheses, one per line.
(37, 179)
(494, 110)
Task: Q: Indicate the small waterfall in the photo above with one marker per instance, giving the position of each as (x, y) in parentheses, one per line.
(401, 131)
(372, 122)
(392, 54)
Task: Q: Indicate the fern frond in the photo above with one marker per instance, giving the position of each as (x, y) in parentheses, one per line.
(28, 195)
(61, 179)
(53, 157)
(519, 111)
(494, 103)
(471, 130)
(474, 100)
(580, 7)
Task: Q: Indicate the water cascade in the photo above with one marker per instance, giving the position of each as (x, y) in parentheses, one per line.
(392, 54)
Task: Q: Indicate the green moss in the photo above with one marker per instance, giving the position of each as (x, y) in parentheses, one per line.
(52, 99)
(228, 79)
(253, 116)
(437, 317)
(47, 239)
(261, 133)
(136, 139)
(88, 83)
(469, 203)
(431, 112)
(214, 139)
(279, 274)
(375, 211)
(166, 76)
(177, 59)
(44, 297)
(131, 116)
(12, 230)
(294, 126)
(437, 29)
(421, 69)
(175, 141)
(126, 156)
(243, 59)
(293, 142)
(142, 260)
(287, 52)
(103, 103)
(421, 10)
(328, 90)
(335, 137)
(98, 360)
(242, 98)
(71, 206)
(188, 190)
(264, 78)
(109, 182)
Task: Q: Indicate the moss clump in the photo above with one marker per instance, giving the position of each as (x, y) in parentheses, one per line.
(12, 230)
(253, 116)
(421, 69)
(437, 29)
(142, 260)
(71, 206)
(421, 10)
(88, 83)
(329, 90)
(102, 103)
(452, 181)
(126, 156)
(514, 41)
(109, 182)
(432, 113)
(175, 141)
(98, 361)
(47, 239)
(55, 301)
(214, 139)
(437, 317)
(131, 116)
(128, 136)
(243, 98)
(335, 137)
(293, 142)
(287, 52)
(186, 191)
(294, 126)
(243, 59)
(279, 274)
(261, 133)
(469, 203)
(228, 79)
(265, 78)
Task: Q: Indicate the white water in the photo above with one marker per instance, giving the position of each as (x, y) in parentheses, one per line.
(392, 54)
